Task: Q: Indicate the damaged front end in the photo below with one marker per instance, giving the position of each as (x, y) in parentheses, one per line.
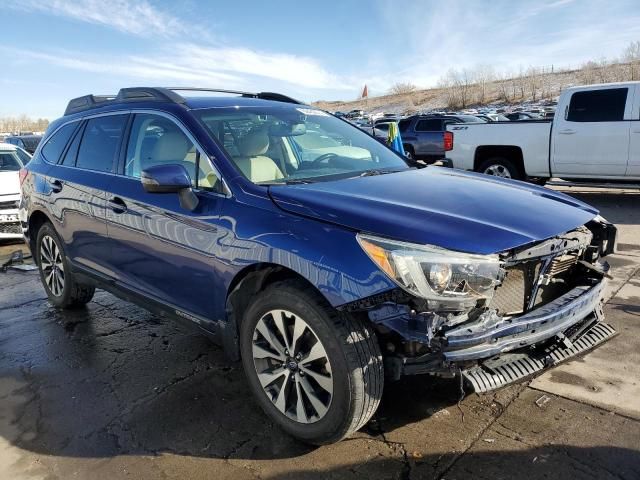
(494, 319)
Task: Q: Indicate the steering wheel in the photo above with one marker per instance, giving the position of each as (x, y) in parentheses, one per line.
(324, 158)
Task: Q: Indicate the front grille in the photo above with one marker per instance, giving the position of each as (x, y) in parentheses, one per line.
(13, 228)
(509, 296)
(512, 296)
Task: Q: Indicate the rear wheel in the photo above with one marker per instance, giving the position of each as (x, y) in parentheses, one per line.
(409, 153)
(500, 167)
(59, 282)
(316, 372)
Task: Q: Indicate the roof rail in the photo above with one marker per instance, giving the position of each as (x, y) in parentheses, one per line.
(276, 97)
(87, 102)
(142, 94)
(133, 94)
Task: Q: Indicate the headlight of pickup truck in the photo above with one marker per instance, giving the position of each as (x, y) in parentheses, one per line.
(449, 281)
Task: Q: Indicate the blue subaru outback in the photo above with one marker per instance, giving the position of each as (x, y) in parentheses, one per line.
(322, 259)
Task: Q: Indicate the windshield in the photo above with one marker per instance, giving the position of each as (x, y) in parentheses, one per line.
(292, 143)
(9, 162)
(471, 119)
(23, 156)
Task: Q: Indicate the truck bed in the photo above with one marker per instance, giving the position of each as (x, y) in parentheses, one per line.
(531, 137)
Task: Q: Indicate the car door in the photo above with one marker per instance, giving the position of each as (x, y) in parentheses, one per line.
(591, 137)
(161, 250)
(77, 186)
(633, 167)
(429, 133)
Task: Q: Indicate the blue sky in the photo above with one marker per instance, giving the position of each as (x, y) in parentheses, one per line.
(53, 50)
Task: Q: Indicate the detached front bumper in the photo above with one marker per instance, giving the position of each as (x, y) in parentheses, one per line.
(524, 346)
(475, 343)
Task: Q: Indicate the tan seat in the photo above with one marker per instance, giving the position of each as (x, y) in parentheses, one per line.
(172, 147)
(253, 163)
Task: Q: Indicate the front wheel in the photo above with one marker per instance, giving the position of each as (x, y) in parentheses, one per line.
(501, 167)
(316, 372)
(59, 282)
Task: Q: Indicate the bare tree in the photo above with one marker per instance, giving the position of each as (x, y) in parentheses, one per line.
(503, 82)
(533, 80)
(631, 56)
(401, 88)
(483, 76)
(22, 123)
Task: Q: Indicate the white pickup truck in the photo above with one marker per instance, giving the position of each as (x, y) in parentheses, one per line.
(595, 135)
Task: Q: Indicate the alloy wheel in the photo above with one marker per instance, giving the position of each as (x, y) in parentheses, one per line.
(498, 171)
(52, 265)
(292, 365)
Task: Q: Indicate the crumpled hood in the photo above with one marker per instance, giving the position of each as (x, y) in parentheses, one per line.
(451, 209)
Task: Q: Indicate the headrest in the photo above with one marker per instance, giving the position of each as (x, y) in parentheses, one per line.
(254, 143)
(171, 147)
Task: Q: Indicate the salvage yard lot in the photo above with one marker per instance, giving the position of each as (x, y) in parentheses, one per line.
(113, 392)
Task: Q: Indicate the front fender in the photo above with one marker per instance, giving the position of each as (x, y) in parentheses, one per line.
(327, 256)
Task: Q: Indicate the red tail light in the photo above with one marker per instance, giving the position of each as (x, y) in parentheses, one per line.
(448, 141)
(23, 174)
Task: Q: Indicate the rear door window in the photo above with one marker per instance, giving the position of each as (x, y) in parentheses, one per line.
(404, 125)
(56, 143)
(432, 125)
(598, 105)
(100, 143)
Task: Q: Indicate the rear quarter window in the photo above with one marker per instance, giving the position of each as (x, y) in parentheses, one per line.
(597, 105)
(56, 143)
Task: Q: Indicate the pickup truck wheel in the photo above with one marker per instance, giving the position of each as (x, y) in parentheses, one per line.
(500, 167)
(61, 286)
(316, 372)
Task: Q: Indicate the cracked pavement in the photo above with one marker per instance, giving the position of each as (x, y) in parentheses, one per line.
(113, 392)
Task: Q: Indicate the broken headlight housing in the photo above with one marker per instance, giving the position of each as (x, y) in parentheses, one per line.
(449, 281)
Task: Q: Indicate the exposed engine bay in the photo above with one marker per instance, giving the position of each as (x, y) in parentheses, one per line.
(542, 307)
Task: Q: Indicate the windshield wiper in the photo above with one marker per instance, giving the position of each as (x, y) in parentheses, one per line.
(293, 181)
(374, 171)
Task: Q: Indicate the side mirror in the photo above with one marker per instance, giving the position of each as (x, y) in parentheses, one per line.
(170, 179)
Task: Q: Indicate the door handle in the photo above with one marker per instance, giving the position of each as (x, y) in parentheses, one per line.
(566, 131)
(55, 185)
(117, 205)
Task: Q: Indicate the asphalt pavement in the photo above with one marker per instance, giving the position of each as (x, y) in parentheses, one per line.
(111, 392)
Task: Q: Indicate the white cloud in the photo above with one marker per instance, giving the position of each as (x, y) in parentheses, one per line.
(234, 68)
(198, 64)
(137, 17)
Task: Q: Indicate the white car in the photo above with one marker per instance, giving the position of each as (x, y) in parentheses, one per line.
(12, 159)
(594, 135)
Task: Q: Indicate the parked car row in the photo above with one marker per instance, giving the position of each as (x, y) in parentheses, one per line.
(12, 159)
(25, 142)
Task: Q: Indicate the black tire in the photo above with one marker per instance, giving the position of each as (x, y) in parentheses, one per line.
(352, 350)
(409, 152)
(540, 181)
(501, 164)
(72, 293)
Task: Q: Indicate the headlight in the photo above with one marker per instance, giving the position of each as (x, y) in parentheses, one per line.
(448, 280)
